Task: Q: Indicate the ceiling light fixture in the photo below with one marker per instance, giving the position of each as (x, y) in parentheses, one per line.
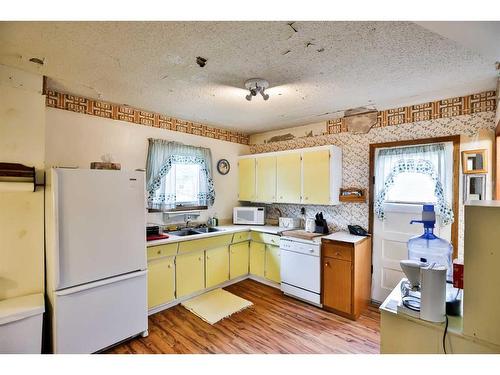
(256, 86)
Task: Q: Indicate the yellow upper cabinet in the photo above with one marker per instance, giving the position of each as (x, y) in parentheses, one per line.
(288, 178)
(306, 176)
(246, 173)
(316, 180)
(265, 168)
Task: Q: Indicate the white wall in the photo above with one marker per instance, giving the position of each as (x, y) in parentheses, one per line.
(75, 139)
(22, 132)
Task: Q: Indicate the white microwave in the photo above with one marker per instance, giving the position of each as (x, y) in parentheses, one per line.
(249, 215)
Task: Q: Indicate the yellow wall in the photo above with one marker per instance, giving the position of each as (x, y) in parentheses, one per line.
(22, 140)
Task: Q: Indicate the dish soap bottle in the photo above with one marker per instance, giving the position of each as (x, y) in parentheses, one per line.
(428, 247)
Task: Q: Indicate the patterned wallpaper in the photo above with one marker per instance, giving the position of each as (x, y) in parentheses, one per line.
(137, 116)
(355, 155)
(458, 106)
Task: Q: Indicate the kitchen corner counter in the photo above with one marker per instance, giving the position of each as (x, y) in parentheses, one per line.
(344, 237)
(224, 229)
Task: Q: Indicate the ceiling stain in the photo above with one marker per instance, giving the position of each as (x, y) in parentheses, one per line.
(201, 61)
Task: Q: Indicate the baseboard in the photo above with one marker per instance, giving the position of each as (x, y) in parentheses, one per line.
(264, 281)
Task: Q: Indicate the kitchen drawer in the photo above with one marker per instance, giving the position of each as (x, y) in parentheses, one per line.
(241, 236)
(205, 243)
(161, 251)
(338, 251)
(271, 239)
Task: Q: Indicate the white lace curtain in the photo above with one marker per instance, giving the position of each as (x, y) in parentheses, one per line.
(434, 160)
(162, 155)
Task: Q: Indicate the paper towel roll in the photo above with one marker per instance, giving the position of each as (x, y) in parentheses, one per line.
(433, 293)
(15, 186)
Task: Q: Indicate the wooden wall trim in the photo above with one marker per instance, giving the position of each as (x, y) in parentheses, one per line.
(450, 107)
(456, 175)
(126, 113)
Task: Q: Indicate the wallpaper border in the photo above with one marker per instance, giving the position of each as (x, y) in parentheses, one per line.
(133, 115)
(450, 107)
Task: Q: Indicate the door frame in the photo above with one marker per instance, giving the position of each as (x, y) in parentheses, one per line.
(455, 139)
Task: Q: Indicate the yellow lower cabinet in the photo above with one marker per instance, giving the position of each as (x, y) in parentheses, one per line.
(217, 266)
(190, 273)
(273, 263)
(238, 259)
(161, 281)
(257, 258)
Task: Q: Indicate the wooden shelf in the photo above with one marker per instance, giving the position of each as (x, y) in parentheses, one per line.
(17, 177)
(353, 198)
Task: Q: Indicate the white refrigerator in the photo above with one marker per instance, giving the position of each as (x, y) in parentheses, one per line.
(95, 258)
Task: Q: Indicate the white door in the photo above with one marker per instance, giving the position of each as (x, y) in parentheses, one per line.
(390, 238)
(100, 223)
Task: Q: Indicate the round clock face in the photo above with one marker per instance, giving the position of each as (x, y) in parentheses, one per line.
(223, 166)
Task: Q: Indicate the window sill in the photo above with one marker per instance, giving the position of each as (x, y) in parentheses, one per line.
(179, 209)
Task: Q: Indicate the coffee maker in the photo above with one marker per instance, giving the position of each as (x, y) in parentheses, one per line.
(423, 293)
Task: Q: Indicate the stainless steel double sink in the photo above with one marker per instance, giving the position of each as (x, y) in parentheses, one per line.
(193, 231)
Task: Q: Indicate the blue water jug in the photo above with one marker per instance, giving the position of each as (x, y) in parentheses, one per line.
(428, 247)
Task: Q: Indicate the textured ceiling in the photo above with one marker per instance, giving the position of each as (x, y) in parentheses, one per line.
(320, 68)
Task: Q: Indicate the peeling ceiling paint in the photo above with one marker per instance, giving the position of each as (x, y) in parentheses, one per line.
(315, 69)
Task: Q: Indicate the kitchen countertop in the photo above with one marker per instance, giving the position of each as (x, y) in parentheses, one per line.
(344, 237)
(225, 229)
(271, 229)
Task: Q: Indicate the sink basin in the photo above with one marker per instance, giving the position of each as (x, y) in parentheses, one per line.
(207, 230)
(192, 232)
(183, 232)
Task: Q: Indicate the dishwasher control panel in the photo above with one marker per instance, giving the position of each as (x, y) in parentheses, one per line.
(313, 249)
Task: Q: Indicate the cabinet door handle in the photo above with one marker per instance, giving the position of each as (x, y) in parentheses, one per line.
(158, 252)
(327, 264)
(200, 259)
(169, 266)
(337, 254)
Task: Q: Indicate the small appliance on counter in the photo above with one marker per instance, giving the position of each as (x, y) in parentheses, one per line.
(423, 294)
(154, 232)
(317, 225)
(249, 215)
(320, 224)
(289, 222)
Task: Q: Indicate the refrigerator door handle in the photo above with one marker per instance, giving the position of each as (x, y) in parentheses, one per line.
(99, 283)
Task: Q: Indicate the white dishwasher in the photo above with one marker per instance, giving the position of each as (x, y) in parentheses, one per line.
(301, 269)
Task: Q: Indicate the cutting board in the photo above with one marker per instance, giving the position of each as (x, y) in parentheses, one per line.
(300, 233)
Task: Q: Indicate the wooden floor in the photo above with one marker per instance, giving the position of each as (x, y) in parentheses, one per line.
(275, 324)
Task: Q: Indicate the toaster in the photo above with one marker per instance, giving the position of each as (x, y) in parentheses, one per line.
(289, 222)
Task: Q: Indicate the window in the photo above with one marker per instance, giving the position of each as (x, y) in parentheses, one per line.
(186, 182)
(411, 187)
(178, 175)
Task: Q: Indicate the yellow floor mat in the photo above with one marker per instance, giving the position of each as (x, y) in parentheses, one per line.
(216, 305)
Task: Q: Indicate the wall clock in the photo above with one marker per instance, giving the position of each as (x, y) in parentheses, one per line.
(223, 166)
